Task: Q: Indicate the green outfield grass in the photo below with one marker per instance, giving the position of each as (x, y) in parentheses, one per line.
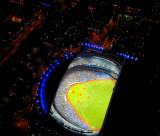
(90, 101)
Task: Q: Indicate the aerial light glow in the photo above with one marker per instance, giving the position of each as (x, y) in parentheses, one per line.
(16, 19)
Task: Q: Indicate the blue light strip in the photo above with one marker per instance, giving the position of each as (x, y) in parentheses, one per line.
(127, 56)
(42, 97)
(92, 46)
(45, 4)
(41, 90)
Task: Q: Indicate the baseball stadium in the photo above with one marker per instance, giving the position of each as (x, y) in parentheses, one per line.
(84, 92)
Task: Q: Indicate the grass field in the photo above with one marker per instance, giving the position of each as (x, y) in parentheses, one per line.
(90, 101)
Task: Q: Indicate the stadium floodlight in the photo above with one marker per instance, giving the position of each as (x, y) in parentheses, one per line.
(43, 83)
(136, 59)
